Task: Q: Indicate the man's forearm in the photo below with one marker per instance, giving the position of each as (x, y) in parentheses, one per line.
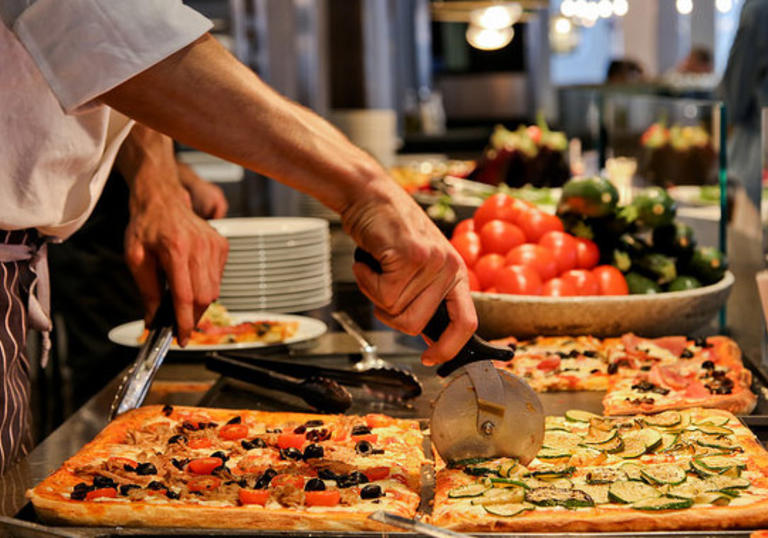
(203, 97)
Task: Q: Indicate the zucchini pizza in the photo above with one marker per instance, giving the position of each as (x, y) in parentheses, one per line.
(688, 469)
(195, 467)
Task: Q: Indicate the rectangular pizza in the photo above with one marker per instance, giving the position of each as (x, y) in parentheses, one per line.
(689, 469)
(195, 467)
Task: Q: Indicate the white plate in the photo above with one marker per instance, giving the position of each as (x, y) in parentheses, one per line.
(294, 295)
(128, 334)
(268, 256)
(267, 226)
(237, 246)
(276, 277)
(275, 267)
(304, 307)
(291, 306)
(257, 287)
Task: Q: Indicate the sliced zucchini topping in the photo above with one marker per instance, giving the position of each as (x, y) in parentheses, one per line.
(558, 471)
(710, 429)
(613, 446)
(532, 483)
(500, 496)
(634, 447)
(508, 468)
(668, 442)
(468, 461)
(721, 482)
(666, 473)
(649, 436)
(667, 419)
(690, 489)
(718, 443)
(470, 490)
(480, 470)
(719, 463)
(577, 415)
(630, 491)
(713, 497)
(507, 510)
(598, 492)
(713, 417)
(551, 496)
(662, 503)
(605, 475)
(561, 440)
(507, 482)
(553, 453)
(633, 471)
(598, 437)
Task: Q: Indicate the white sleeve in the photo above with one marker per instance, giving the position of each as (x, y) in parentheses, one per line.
(85, 48)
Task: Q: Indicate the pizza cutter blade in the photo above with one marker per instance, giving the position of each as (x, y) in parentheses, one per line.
(481, 412)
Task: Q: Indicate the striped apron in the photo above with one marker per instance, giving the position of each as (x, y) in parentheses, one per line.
(24, 303)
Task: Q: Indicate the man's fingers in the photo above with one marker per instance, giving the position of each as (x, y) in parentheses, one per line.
(176, 268)
(143, 267)
(463, 324)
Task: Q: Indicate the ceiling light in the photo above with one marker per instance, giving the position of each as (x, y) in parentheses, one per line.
(487, 39)
(684, 7)
(724, 6)
(497, 16)
(620, 7)
(568, 8)
(563, 37)
(591, 11)
(604, 8)
(562, 25)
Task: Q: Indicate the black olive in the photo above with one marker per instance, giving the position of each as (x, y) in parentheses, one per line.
(82, 486)
(78, 494)
(144, 469)
(594, 370)
(708, 365)
(327, 474)
(561, 354)
(613, 368)
(645, 368)
(361, 429)
(178, 438)
(686, 354)
(344, 481)
(235, 420)
(718, 374)
(313, 423)
(313, 451)
(187, 425)
(701, 342)
(512, 346)
(129, 468)
(643, 386)
(125, 489)
(218, 470)
(204, 425)
(220, 454)
(274, 430)
(243, 483)
(377, 451)
(363, 447)
(314, 484)
(253, 443)
(264, 480)
(103, 482)
(179, 464)
(371, 491)
(167, 410)
(290, 454)
(155, 485)
(358, 477)
(300, 429)
(574, 354)
(316, 436)
(172, 494)
(589, 353)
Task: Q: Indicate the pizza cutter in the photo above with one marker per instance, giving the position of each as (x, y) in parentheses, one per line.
(481, 412)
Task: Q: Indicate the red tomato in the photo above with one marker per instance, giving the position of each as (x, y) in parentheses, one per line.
(203, 483)
(200, 443)
(587, 253)
(474, 283)
(534, 131)
(376, 473)
(557, 287)
(549, 363)
(519, 280)
(468, 246)
(584, 281)
(492, 289)
(500, 237)
(232, 432)
(282, 479)
(498, 206)
(610, 280)
(563, 246)
(328, 497)
(536, 256)
(486, 269)
(121, 462)
(466, 225)
(370, 437)
(253, 496)
(101, 492)
(535, 223)
(204, 465)
(291, 440)
(375, 420)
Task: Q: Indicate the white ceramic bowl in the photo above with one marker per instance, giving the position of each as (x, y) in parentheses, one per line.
(670, 313)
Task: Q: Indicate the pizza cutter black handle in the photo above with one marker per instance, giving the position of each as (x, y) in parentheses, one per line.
(165, 316)
(476, 349)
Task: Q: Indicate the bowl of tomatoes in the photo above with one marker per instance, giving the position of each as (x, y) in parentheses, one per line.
(531, 273)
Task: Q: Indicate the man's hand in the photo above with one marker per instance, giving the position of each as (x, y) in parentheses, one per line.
(164, 236)
(420, 268)
(208, 200)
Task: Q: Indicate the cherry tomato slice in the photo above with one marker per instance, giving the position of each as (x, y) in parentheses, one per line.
(500, 237)
(610, 280)
(563, 247)
(329, 497)
(200, 443)
(376, 473)
(539, 258)
(288, 479)
(204, 465)
(486, 269)
(548, 364)
(203, 483)
(584, 281)
(375, 420)
(291, 440)
(253, 496)
(468, 246)
(232, 432)
(519, 280)
(101, 493)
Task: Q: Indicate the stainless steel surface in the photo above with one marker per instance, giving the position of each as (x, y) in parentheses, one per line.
(368, 350)
(518, 429)
(412, 525)
(135, 385)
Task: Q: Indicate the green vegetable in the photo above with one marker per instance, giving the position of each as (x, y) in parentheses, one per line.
(507, 468)
(598, 492)
(707, 264)
(658, 267)
(662, 503)
(598, 437)
(651, 208)
(552, 472)
(634, 447)
(630, 491)
(636, 247)
(577, 415)
(638, 284)
(470, 490)
(675, 240)
(499, 496)
(554, 453)
(605, 475)
(664, 474)
(633, 470)
(683, 283)
(719, 463)
(711, 429)
(588, 197)
(621, 260)
(555, 439)
(613, 446)
(548, 496)
(666, 419)
(507, 510)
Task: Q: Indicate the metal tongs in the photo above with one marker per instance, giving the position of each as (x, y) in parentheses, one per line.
(482, 412)
(135, 385)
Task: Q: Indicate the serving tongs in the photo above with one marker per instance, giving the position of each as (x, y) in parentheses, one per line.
(135, 385)
(481, 412)
(384, 383)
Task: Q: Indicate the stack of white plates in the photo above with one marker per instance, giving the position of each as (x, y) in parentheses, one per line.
(279, 264)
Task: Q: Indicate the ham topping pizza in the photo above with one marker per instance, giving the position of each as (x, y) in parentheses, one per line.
(191, 467)
(689, 469)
